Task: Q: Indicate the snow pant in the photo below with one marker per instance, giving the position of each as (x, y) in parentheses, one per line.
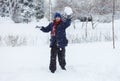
(60, 52)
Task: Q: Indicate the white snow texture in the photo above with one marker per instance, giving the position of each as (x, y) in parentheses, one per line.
(68, 10)
(25, 53)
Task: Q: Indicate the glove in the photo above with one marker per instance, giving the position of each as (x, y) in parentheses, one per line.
(38, 27)
(68, 11)
(69, 16)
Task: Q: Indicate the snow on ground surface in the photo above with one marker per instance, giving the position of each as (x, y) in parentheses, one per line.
(32, 36)
(76, 33)
(95, 61)
(85, 62)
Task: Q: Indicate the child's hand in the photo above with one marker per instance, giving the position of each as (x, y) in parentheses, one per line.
(38, 27)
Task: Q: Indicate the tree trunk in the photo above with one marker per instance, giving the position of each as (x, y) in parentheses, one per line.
(113, 33)
(86, 29)
(50, 10)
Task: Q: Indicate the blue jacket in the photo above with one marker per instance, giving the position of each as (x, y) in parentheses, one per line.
(60, 37)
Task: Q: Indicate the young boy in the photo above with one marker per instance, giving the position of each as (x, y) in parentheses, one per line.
(58, 40)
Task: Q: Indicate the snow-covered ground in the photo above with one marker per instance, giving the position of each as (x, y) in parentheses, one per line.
(26, 35)
(25, 52)
(22, 34)
(85, 62)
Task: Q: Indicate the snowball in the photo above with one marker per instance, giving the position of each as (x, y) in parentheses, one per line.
(68, 10)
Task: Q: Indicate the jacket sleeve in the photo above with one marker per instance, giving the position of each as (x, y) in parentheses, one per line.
(46, 29)
(67, 22)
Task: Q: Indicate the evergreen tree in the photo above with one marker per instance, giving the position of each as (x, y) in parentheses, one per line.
(4, 8)
(27, 11)
(39, 10)
(16, 14)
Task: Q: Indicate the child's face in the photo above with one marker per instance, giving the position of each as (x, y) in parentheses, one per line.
(57, 19)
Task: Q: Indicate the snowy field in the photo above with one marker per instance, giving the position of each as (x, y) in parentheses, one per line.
(16, 35)
(85, 62)
(24, 54)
